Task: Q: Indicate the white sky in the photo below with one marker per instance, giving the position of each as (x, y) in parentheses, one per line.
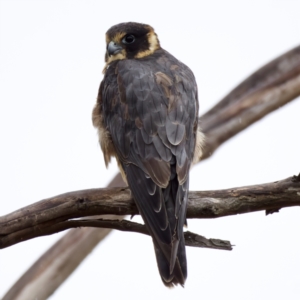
(51, 58)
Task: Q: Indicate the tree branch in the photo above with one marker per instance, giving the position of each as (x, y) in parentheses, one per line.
(53, 215)
(192, 239)
(270, 87)
(266, 90)
(60, 259)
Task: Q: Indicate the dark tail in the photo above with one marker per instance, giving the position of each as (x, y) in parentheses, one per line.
(163, 211)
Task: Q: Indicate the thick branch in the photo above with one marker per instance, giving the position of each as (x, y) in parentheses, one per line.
(62, 258)
(48, 216)
(266, 90)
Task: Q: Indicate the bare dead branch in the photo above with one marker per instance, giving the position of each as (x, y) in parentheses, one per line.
(196, 240)
(48, 216)
(192, 239)
(56, 264)
(264, 91)
(62, 258)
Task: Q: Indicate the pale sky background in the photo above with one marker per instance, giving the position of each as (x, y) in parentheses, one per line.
(51, 58)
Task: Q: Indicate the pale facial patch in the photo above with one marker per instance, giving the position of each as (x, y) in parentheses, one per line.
(119, 56)
(117, 38)
(153, 45)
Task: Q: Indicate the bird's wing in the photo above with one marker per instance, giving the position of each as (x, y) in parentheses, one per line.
(150, 109)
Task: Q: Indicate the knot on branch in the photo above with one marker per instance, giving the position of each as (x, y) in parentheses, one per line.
(82, 203)
(296, 178)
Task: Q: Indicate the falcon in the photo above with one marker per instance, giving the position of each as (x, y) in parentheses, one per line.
(147, 118)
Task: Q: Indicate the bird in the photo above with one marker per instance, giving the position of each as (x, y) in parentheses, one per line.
(146, 115)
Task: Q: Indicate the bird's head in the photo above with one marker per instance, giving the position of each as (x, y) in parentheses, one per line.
(130, 40)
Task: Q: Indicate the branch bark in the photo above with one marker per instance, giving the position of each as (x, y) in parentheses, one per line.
(266, 90)
(191, 239)
(55, 214)
(50, 270)
(270, 87)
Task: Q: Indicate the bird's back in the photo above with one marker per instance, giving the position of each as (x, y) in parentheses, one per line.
(149, 109)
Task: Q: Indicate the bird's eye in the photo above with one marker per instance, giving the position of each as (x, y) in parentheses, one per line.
(128, 39)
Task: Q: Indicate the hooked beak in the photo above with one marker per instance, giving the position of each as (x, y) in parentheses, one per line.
(113, 48)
